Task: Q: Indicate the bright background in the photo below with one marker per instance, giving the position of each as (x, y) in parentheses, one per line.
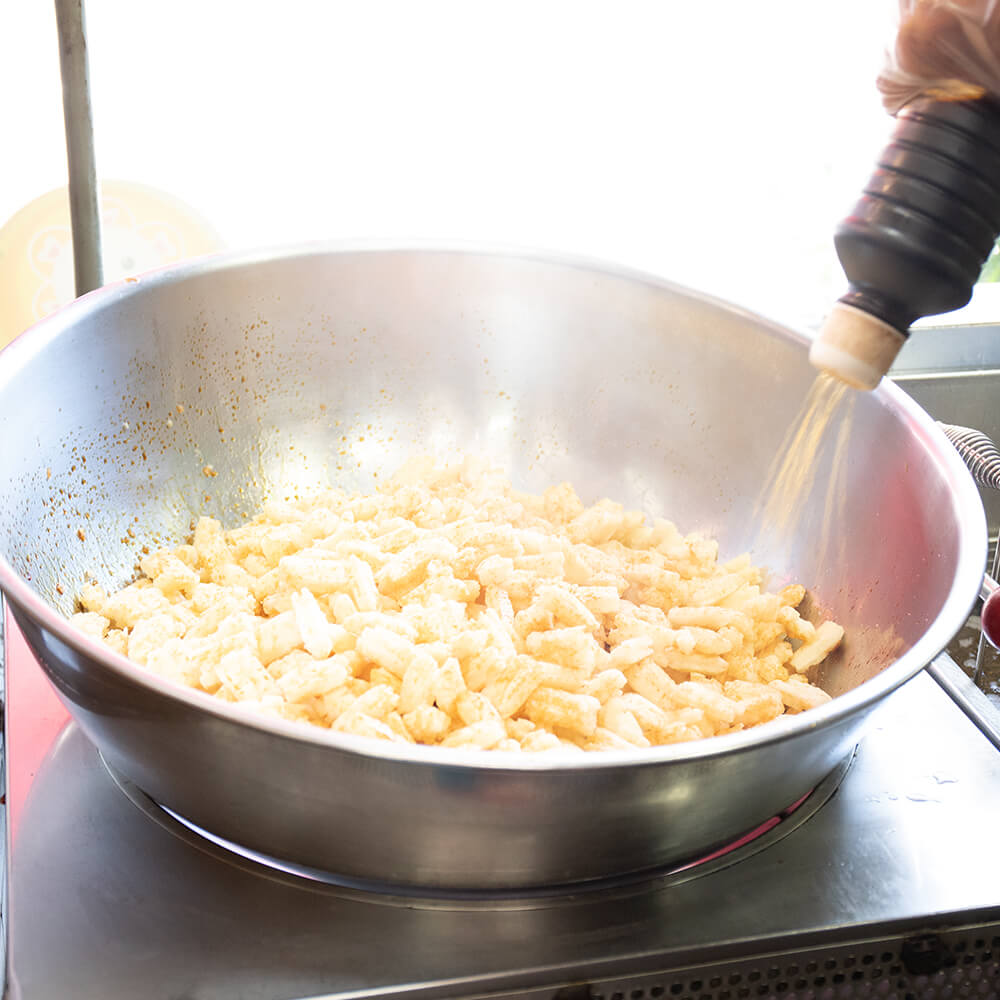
(713, 142)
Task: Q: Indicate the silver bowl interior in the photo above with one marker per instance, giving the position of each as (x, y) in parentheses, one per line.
(284, 371)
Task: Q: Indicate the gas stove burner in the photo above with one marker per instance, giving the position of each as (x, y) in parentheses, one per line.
(758, 839)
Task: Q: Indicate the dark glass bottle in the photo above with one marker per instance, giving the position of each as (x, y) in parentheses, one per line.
(917, 239)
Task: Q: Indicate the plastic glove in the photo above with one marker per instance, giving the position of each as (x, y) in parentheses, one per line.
(946, 49)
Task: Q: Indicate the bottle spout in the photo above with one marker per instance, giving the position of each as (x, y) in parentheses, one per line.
(855, 347)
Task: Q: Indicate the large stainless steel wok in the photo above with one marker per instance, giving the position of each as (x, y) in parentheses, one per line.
(283, 369)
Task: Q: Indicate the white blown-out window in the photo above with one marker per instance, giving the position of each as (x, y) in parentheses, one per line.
(713, 142)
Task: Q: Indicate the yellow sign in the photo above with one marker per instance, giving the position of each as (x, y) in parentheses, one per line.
(142, 229)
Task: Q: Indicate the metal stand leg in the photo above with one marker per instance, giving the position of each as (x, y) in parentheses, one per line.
(85, 215)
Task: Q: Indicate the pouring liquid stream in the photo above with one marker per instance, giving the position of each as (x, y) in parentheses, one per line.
(809, 473)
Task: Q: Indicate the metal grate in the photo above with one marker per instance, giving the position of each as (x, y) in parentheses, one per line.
(957, 965)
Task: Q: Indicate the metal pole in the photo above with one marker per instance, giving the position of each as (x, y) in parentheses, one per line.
(85, 217)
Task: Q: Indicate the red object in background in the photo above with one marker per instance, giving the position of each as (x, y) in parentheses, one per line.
(990, 618)
(33, 711)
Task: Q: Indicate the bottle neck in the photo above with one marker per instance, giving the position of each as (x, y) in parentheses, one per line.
(876, 304)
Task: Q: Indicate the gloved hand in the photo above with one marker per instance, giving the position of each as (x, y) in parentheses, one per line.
(945, 49)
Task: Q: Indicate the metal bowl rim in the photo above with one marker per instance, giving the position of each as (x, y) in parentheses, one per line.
(961, 598)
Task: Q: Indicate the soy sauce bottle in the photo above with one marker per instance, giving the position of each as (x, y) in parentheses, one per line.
(917, 239)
